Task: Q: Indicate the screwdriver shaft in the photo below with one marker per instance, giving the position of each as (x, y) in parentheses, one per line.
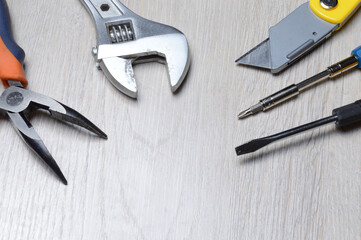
(304, 128)
(295, 89)
(257, 144)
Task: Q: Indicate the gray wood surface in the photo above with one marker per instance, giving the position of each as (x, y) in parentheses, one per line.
(169, 170)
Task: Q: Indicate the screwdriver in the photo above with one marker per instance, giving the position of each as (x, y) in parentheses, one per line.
(295, 89)
(343, 116)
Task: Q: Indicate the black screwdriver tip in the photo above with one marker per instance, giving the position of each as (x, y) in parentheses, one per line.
(253, 146)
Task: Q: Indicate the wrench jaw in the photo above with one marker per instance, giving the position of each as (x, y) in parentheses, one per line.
(120, 73)
(116, 60)
(178, 61)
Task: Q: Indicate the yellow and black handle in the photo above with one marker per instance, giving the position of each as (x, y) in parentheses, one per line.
(11, 55)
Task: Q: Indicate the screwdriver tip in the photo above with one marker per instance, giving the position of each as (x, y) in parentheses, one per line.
(245, 114)
(253, 146)
(250, 111)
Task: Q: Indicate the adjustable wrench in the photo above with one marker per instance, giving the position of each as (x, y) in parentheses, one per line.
(125, 38)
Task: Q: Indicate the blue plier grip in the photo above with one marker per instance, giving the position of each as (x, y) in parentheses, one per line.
(6, 33)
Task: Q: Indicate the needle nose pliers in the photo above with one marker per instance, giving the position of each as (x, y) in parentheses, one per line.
(17, 102)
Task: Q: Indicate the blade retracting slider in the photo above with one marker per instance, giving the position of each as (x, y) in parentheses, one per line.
(343, 117)
(295, 89)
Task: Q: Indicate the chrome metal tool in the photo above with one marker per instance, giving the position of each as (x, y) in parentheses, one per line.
(299, 33)
(18, 103)
(295, 89)
(125, 38)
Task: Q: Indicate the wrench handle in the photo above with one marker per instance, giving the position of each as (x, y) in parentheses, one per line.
(11, 55)
(105, 8)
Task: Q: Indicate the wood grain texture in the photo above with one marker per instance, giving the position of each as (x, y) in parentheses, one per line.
(169, 170)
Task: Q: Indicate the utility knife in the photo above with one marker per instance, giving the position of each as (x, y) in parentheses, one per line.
(300, 32)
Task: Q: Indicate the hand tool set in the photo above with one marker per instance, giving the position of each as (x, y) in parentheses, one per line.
(297, 34)
(125, 39)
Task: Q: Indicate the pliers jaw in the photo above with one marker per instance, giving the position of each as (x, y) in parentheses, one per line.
(18, 103)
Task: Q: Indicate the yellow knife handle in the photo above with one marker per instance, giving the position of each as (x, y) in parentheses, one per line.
(339, 14)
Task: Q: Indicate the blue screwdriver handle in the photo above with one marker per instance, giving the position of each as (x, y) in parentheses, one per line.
(357, 53)
(11, 54)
